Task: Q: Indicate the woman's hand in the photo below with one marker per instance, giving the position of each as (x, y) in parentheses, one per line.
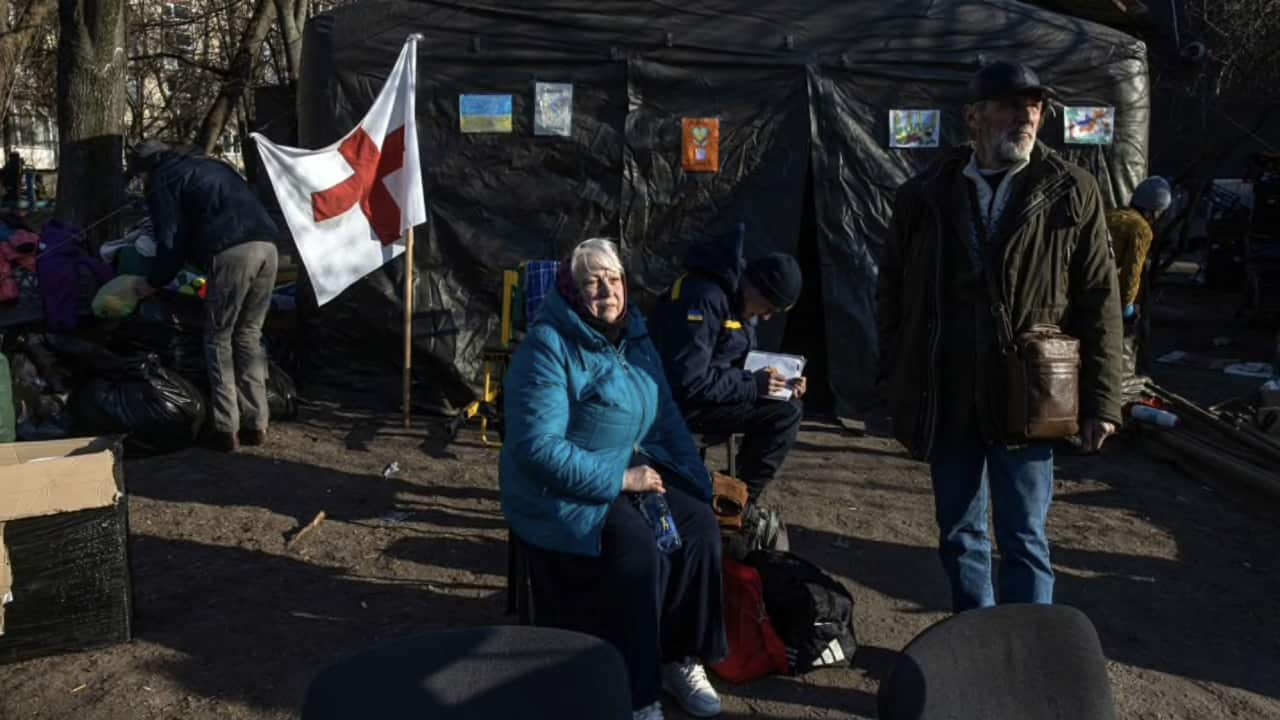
(642, 478)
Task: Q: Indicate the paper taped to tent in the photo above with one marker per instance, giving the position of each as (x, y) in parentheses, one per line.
(803, 92)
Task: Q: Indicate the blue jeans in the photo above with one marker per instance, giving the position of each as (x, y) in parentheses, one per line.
(967, 475)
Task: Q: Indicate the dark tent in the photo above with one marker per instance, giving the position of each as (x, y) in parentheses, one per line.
(802, 89)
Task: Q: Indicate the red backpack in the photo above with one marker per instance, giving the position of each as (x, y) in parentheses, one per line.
(755, 650)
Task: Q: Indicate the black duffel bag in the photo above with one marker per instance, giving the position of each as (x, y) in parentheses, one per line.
(812, 611)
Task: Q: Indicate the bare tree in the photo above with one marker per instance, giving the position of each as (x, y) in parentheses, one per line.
(240, 73)
(91, 113)
(177, 51)
(293, 15)
(22, 23)
(1239, 47)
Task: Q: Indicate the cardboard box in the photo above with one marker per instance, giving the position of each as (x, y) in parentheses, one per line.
(64, 570)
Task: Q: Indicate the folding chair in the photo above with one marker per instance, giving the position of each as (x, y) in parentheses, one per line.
(523, 290)
(710, 440)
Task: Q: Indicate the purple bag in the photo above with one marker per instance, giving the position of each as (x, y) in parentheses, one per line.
(59, 268)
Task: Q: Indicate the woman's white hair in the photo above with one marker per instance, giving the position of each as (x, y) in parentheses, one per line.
(594, 255)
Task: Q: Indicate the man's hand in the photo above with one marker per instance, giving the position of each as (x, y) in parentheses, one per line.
(799, 386)
(770, 382)
(642, 478)
(1094, 432)
(144, 290)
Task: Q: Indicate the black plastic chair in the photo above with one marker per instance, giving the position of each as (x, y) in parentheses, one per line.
(1013, 662)
(488, 672)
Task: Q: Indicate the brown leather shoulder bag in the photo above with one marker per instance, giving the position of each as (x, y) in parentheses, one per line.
(1042, 372)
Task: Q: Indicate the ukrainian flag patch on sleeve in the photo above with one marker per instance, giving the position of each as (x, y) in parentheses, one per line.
(694, 316)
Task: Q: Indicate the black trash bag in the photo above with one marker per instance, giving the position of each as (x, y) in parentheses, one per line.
(28, 386)
(160, 410)
(171, 328)
(40, 412)
(282, 394)
(53, 373)
(77, 358)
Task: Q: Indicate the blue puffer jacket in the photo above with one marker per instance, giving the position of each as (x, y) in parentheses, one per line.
(576, 409)
(699, 330)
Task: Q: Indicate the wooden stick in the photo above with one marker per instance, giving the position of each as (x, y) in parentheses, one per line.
(408, 330)
(319, 518)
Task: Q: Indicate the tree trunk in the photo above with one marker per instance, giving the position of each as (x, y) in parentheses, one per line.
(91, 73)
(29, 20)
(238, 74)
(293, 15)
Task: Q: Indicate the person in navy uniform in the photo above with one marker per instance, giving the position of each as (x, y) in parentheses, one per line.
(704, 326)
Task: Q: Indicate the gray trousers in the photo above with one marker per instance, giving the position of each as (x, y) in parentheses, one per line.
(240, 285)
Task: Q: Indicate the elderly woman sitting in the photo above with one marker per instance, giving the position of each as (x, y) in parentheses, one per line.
(591, 432)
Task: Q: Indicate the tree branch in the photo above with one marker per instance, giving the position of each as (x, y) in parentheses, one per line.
(212, 69)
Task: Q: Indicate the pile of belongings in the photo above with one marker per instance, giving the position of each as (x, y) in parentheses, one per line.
(18, 250)
(139, 371)
(1232, 443)
(133, 253)
(65, 386)
(171, 327)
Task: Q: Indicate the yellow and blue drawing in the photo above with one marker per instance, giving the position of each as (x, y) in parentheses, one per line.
(484, 113)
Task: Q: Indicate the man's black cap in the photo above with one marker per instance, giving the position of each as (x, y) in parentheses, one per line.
(1005, 79)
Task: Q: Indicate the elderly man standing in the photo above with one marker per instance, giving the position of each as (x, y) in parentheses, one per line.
(1010, 204)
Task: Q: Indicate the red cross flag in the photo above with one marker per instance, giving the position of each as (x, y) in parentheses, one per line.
(349, 205)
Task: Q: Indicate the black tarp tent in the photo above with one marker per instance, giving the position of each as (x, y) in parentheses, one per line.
(803, 91)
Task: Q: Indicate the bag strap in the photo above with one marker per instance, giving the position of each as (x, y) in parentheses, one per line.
(989, 268)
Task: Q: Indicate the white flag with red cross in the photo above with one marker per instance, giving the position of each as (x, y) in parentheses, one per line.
(348, 205)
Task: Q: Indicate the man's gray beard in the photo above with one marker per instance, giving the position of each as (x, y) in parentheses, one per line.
(1014, 151)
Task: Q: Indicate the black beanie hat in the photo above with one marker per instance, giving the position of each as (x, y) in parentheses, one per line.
(777, 277)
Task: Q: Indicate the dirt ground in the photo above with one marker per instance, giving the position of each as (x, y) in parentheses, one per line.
(1182, 579)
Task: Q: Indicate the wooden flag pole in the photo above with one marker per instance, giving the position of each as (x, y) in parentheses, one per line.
(408, 329)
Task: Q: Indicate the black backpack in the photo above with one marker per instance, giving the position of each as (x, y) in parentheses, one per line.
(812, 611)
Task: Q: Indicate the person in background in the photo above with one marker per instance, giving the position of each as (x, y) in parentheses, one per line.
(704, 327)
(1012, 203)
(1132, 233)
(11, 176)
(592, 435)
(204, 214)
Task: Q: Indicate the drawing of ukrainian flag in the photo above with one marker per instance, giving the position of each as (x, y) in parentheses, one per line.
(484, 113)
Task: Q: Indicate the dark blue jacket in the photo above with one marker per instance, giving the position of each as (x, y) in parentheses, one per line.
(699, 331)
(200, 207)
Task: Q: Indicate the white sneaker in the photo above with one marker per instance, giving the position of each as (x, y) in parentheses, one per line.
(650, 712)
(687, 682)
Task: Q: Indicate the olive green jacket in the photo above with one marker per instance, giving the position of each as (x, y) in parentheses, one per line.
(1056, 267)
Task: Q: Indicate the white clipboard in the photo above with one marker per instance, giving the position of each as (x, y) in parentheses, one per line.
(791, 367)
